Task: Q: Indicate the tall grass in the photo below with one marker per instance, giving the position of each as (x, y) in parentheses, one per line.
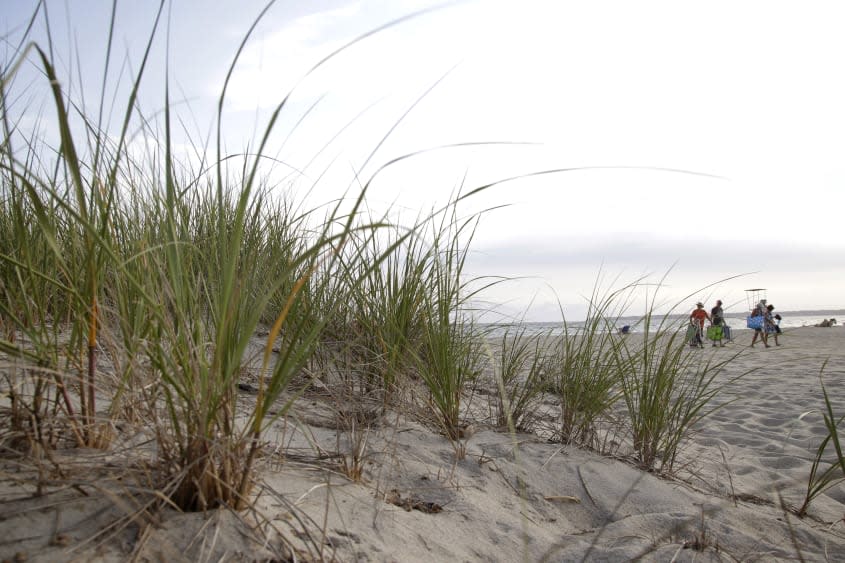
(517, 366)
(133, 287)
(584, 372)
(828, 467)
(377, 332)
(134, 284)
(451, 354)
(667, 388)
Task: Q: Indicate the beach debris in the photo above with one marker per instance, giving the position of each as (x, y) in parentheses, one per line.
(62, 540)
(248, 387)
(465, 431)
(412, 503)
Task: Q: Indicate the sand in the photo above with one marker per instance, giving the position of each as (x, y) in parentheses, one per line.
(510, 498)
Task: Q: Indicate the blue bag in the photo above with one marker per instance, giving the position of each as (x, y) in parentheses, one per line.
(754, 322)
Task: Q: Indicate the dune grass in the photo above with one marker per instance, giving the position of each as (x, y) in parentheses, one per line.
(667, 388)
(134, 283)
(583, 371)
(828, 467)
(517, 364)
(132, 287)
(450, 354)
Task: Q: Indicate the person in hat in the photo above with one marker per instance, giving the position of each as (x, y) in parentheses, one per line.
(696, 319)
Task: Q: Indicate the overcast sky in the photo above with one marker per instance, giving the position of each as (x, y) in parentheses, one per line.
(707, 139)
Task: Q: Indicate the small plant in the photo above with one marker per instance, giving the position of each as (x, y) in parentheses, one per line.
(823, 478)
(450, 353)
(667, 389)
(373, 340)
(354, 421)
(518, 371)
(583, 370)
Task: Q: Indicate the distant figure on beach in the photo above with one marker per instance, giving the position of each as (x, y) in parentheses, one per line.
(778, 319)
(770, 325)
(625, 330)
(717, 318)
(760, 311)
(697, 318)
(827, 323)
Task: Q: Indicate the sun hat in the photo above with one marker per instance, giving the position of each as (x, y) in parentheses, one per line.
(699, 304)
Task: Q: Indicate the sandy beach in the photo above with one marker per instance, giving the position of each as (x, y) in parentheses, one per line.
(509, 498)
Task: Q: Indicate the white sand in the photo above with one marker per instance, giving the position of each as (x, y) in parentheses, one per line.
(510, 499)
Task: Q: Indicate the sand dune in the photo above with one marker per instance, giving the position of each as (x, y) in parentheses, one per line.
(510, 498)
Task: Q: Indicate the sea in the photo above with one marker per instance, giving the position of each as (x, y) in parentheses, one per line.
(789, 319)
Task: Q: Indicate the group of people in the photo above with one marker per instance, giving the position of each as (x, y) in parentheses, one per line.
(719, 331)
(762, 320)
(764, 323)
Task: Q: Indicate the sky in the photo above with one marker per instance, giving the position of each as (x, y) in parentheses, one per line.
(697, 146)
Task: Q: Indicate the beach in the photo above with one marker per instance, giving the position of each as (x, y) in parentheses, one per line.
(509, 496)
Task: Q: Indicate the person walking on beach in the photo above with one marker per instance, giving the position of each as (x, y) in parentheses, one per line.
(769, 324)
(760, 311)
(717, 318)
(697, 318)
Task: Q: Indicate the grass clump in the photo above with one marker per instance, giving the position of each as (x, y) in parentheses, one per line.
(134, 285)
(519, 377)
(828, 467)
(667, 388)
(170, 271)
(451, 353)
(584, 371)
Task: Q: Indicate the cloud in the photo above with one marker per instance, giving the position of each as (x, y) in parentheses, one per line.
(638, 250)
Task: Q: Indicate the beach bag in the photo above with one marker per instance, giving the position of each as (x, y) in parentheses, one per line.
(754, 322)
(691, 334)
(714, 332)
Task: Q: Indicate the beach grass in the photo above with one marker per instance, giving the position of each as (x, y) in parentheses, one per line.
(828, 467)
(517, 362)
(584, 371)
(667, 388)
(172, 269)
(451, 354)
(133, 287)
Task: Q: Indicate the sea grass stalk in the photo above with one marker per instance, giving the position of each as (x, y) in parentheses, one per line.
(92, 203)
(451, 353)
(822, 478)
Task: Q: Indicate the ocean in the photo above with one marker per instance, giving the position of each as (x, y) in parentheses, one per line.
(790, 319)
